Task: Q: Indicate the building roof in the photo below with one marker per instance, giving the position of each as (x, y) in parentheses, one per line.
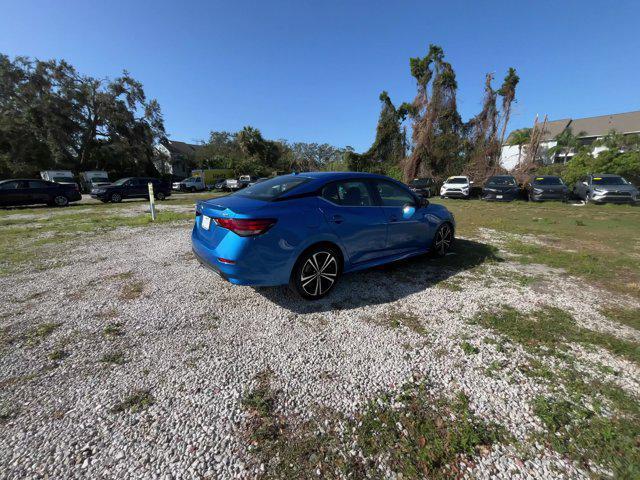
(183, 148)
(593, 126)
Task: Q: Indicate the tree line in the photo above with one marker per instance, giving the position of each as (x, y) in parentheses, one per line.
(52, 117)
(440, 144)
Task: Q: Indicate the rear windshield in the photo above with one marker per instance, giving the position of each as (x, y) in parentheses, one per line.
(273, 188)
(609, 181)
(547, 181)
(502, 181)
(457, 180)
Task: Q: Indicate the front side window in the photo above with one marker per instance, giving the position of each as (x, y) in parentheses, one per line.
(37, 184)
(348, 194)
(271, 189)
(393, 195)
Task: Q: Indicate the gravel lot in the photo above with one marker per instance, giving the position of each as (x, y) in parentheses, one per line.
(132, 311)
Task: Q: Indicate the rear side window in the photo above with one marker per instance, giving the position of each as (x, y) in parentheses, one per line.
(393, 195)
(348, 194)
(273, 188)
(37, 184)
(10, 185)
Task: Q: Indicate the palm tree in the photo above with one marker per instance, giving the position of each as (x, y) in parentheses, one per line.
(566, 142)
(520, 138)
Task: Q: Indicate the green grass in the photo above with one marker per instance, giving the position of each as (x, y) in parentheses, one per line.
(469, 349)
(551, 330)
(113, 329)
(627, 316)
(135, 402)
(419, 435)
(58, 355)
(115, 358)
(397, 319)
(595, 242)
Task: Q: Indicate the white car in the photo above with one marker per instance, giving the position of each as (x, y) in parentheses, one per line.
(456, 187)
(191, 184)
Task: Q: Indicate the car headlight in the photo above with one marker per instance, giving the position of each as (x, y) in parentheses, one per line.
(99, 190)
(538, 190)
(490, 190)
(442, 189)
(598, 190)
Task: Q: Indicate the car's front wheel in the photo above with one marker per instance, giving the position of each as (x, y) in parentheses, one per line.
(160, 196)
(116, 198)
(316, 272)
(442, 241)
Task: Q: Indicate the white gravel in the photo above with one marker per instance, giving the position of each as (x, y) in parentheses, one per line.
(196, 343)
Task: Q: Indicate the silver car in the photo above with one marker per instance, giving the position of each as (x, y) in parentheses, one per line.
(605, 188)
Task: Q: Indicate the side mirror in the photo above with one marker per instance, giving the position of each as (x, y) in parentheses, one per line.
(471, 182)
(408, 210)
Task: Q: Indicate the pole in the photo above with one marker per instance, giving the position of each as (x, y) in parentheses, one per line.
(152, 204)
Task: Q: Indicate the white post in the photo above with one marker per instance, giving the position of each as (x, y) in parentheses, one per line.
(152, 205)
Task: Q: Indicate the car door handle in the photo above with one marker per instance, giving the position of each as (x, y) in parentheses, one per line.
(337, 219)
(393, 218)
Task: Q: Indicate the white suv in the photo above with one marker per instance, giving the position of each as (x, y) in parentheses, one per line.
(456, 187)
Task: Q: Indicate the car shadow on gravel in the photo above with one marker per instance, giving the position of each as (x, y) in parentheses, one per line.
(390, 282)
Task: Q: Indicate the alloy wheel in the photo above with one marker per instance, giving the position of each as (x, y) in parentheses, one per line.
(443, 240)
(319, 273)
(61, 201)
(116, 197)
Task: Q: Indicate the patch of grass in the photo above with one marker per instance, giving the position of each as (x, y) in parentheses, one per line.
(58, 355)
(35, 335)
(627, 316)
(469, 349)
(7, 412)
(116, 358)
(450, 285)
(550, 330)
(397, 319)
(112, 329)
(132, 290)
(135, 402)
(494, 366)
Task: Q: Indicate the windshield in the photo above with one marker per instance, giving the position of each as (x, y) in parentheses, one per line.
(99, 179)
(191, 179)
(547, 181)
(609, 181)
(502, 182)
(270, 189)
(62, 179)
(419, 182)
(458, 180)
(121, 181)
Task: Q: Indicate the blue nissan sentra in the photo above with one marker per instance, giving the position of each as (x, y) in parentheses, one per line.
(306, 230)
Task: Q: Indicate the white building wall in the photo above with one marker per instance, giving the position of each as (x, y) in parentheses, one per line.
(509, 156)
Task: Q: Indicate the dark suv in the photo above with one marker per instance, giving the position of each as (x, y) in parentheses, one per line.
(132, 187)
(501, 188)
(425, 187)
(33, 192)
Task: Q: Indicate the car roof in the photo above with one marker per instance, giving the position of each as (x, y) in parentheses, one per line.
(605, 175)
(24, 180)
(339, 175)
(545, 176)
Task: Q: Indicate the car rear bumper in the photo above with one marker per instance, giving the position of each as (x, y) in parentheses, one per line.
(256, 261)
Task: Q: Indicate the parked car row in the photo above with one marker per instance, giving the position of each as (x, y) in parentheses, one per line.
(597, 188)
(18, 192)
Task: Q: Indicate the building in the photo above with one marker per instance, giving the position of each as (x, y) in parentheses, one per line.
(588, 130)
(175, 158)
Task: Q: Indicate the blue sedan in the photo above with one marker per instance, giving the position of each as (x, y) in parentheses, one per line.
(306, 230)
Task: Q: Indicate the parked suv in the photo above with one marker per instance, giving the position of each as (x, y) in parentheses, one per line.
(35, 191)
(191, 184)
(132, 187)
(602, 188)
(425, 187)
(547, 187)
(503, 188)
(456, 187)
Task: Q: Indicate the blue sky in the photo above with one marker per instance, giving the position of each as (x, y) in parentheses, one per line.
(313, 70)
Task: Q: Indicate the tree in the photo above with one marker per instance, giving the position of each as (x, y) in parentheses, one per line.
(53, 117)
(566, 142)
(520, 137)
(508, 93)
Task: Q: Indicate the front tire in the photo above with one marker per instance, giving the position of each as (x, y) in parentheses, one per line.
(160, 196)
(316, 272)
(442, 241)
(116, 198)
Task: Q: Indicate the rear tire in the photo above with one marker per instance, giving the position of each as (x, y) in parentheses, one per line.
(60, 201)
(316, 272)
(442, 240)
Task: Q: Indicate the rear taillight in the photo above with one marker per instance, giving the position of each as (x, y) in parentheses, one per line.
(246, 227)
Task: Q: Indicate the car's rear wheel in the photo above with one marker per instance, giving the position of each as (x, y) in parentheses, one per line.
(60, 201)
(442, 241)
(316, 272)
(160, 196)
(116, 198)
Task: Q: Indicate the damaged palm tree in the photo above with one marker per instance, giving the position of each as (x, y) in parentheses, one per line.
(530, 162)
(508, 93)
(482, 131)
(436, 123)
(389, 147)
